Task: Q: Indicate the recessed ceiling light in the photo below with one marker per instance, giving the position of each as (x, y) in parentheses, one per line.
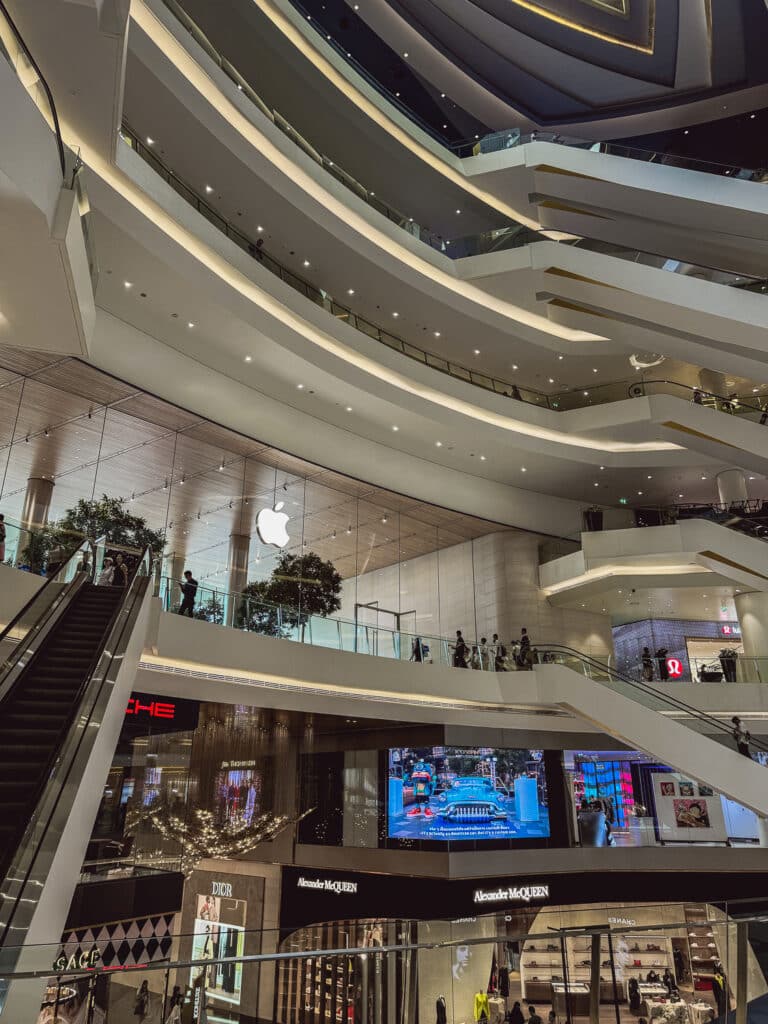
(395, 315)
(560, 357)
(602, 467)
(523, 469)
(685, 132)
(442, 97)
(458, 211)
(551, 380)
(596, 484)
(437, 334)
(190, 324)
(650, 477)
(249, 359)
(438, 444)
(445, 126)
(639, 492)
(395, 428)
(350, 291)
(151, 142)
(349, 408)
(679, 495)
(515, 366)
(259, 228)
(300, 387)
(306, 263)
(752, 117)
(703, 478)
(482, 458)
(128, 284)
(751, 478)
(594, 369)
(209, 189)
(476, 351)
(755, 390)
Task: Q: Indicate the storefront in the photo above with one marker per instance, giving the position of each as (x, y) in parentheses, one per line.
(667, 956)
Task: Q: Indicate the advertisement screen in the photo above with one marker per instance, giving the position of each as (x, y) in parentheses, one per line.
(219, 932)
(466, 793)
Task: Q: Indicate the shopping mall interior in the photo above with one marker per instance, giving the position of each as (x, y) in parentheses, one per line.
(383, 512)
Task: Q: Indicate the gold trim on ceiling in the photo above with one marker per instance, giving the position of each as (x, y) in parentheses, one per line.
(549, 169)
(559, 272)
(733, 565)
(697, 433)
(554, 204)
(531, 5)
(562, 304)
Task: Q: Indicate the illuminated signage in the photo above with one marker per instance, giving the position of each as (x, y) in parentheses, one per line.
(625, 922)
(730, 630)
(221, 889)
(153, 709)
(327, 885)
(522, 893)
(674, 668)
(80, 961)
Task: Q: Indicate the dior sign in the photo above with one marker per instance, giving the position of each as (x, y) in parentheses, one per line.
(512, 893)
(221, 889)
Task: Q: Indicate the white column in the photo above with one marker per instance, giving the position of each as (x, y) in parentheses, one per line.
(731, 486)
(37, 502)
(237, 574)
(752, 613)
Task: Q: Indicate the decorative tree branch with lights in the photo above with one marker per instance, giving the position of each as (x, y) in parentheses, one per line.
(201, 835)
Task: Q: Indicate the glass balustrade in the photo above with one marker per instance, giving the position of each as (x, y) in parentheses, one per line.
(679, 962)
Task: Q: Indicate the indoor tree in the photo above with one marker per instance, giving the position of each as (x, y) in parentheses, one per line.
(300, 586)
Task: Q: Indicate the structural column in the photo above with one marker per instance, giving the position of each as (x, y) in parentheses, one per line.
(37, 502)
(752, 613)
(731, 487)
(237, 574)
(175, 566)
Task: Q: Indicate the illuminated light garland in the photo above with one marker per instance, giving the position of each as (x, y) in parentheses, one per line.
(202, 837)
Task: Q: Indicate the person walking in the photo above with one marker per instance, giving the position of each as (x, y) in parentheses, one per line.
(483, 655)
(741, 737)
(647, 665)
(188, 591)
(460, 651)
(533, 1017)
(499, 654)
(106, 574)
(417, 652)
(525, 646)
(661, 661)
(141, 1005)
(2, 538)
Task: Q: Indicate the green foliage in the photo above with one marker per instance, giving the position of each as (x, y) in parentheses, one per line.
(211, 610)
(110, 517)
(301, 585)
(106, 517)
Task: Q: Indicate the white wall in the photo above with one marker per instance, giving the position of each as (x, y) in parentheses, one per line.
(483, 586)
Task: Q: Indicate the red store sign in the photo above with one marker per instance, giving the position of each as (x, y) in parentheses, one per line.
(154, 709)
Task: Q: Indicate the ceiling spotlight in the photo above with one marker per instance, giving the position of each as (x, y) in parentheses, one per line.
(596, 484)
(208, 189)
(395, 429)
(482, 458)
(650, 477)
(442, 97)
(300, 387)
(165, 485)
(438, 444)
(221, 466)
(477, 351)
(306, 263)
(128, 284)
(151, 142)
(522, 469)
(384, 519)
(349, 529)
(395, 315)
(249, 359)
(190, 324)
(182, 481)
(594, 369)
(405, 55)
(334, 535)
(436, 334)
(350, 291)
(259, 228)
(515, 366)
(561, 357)
(602, 467)
(349, 408)
(458, 211)
(551, 380)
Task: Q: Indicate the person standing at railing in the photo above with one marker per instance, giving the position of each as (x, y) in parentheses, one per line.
(417, 652)
(460, 651)
(524, 649)
(2, 538)
(499, 652)
(188, 592)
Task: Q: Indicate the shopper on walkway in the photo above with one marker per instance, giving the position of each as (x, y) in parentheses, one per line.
(141, 1005)
(417, 652)
(533, 1017)
(2, 538)
(741, 737)
(188, 590)
(499, 654)
(647, 665)
(525, 646)
(516, 1015)
(460, 651)
(661, 661)
(697, 397)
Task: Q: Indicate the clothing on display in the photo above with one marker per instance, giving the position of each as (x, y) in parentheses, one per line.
(440, 1015)
(482, 1007)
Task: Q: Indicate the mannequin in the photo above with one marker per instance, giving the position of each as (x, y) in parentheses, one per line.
(440, 1015)
(482, 1007)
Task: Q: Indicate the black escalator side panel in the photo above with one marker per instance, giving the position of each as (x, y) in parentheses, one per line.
(36, 715)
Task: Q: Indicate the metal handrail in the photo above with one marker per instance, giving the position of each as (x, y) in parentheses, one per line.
(49, 95)
(110, 653)
(637, 684)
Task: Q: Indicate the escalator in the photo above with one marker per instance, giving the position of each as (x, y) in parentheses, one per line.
(656, 721)
(39, 707)
(73, 652)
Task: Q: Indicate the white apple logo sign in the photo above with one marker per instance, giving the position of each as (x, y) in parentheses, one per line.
(270, 526)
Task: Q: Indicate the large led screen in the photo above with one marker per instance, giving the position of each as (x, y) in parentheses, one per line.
(457, 793)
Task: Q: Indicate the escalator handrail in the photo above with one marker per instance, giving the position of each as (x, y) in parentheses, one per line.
(673, 702)
(18, 876)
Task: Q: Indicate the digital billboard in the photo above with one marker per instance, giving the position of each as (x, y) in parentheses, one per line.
(466, 793)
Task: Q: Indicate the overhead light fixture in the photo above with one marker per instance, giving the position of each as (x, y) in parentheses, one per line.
(384, 519)
(300, 387)
(515, 366)
(438, 444)
(249, 359)
(349, 408)
(151, 142)
(182, 481)
(477, 351)
(259, 228)
(209, 189)
(551, 380)
(522, 468)
(306, 263)
(190, 324)
(482, 458)
(128, 284)
(395, 315)
(395, 429)
(350, 291)
(458, 211)
(221, 466)
(349, 529)
(561, 357)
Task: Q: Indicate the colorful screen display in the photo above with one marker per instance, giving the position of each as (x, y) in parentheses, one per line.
(466, 793)
(219, 932)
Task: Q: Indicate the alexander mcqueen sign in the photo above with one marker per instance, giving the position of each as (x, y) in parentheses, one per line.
(327, 885)
(512, 893)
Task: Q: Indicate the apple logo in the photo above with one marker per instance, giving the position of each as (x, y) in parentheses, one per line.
(270, 526)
